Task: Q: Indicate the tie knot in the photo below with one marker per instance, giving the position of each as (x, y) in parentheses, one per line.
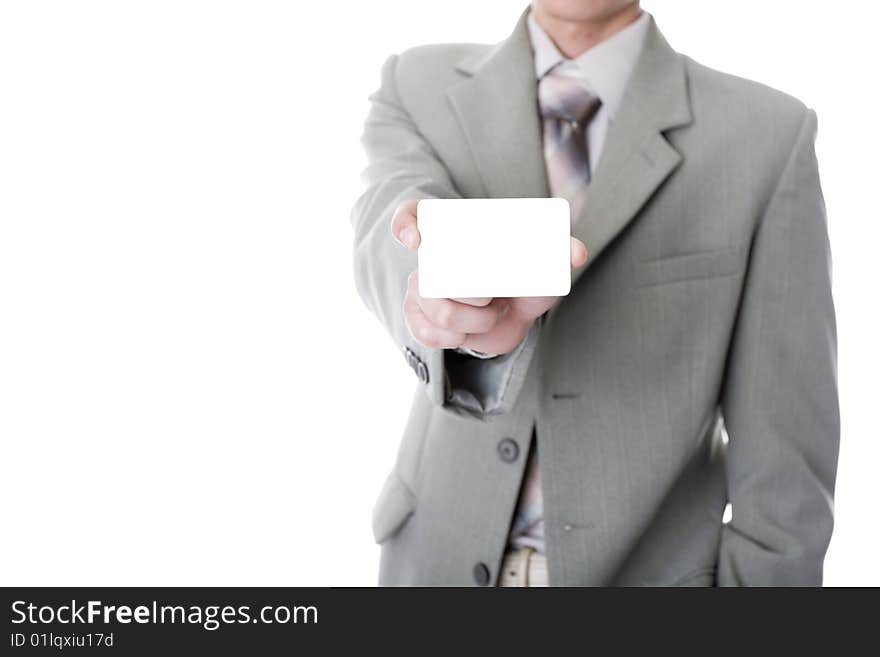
(565, 98)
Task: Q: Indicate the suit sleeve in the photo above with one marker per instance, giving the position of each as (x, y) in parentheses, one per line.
(780, 393)
(401, 166)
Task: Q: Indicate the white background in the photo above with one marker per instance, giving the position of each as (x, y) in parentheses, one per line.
(190, 390)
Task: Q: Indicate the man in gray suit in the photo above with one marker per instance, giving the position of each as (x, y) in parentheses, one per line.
(598, 439)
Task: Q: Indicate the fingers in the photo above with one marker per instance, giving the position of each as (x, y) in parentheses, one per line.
(475, 301)
(421, 328)
(445, 323)
(404, 226)
(461, 317)
(426, 333)
(502, 339)
(578, 253)
(451, 315)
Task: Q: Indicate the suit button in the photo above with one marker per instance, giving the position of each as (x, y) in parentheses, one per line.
(410, 357)
(481, 574)
(508, 450)
(422, 371)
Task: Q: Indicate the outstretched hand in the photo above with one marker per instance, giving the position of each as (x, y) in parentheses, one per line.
(487, 325)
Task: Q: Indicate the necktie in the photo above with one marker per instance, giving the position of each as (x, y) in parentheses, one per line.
(567, 107)
(566, 110)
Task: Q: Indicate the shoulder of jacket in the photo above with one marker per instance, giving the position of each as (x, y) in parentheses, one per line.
(441, 54)
(760, 102)
(436, 63)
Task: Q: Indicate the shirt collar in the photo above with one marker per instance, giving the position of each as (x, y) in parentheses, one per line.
(605, 68)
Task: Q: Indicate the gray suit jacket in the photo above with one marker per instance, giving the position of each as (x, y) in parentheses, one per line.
(704, 311)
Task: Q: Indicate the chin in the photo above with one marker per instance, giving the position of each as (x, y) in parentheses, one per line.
(582, 10)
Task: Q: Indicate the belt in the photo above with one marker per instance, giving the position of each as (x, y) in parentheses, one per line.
(523, 567)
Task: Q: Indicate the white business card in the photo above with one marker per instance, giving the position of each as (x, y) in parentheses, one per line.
(494, 247)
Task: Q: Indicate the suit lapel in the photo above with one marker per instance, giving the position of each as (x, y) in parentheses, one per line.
(498, 112)
(636, 157)
(497, 109)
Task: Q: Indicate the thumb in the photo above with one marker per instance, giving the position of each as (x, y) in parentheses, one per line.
(404, 225)
(578, 253)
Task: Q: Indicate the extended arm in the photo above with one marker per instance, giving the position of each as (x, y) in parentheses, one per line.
(402, 168)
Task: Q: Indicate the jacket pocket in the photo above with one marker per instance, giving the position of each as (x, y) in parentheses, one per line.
(395, 505)
(691, 266)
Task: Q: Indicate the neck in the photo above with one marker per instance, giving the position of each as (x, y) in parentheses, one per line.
(574, 37)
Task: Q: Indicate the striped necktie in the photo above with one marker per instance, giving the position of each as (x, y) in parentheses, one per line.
(566, 110)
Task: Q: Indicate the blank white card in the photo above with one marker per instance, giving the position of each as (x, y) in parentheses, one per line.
(494, 247)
